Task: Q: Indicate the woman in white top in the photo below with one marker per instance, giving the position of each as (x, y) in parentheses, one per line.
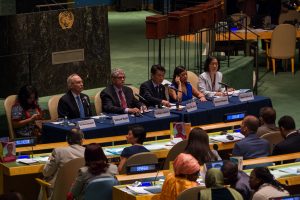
(265, 185)
(210, 78)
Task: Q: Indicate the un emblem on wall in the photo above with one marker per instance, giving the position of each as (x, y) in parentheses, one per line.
(66, 19)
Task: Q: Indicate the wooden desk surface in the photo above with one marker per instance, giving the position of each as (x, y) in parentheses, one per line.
(119, 194)
(290, 156)
(50, 146)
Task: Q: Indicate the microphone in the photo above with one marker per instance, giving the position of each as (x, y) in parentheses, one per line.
(224, 84)
(142, 98)
(174, 88)
(88, 105)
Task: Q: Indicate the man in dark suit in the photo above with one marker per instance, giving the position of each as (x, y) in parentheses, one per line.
(291, 144)
(74, 104)
(117, 98)
(251, 146)
(152, 90)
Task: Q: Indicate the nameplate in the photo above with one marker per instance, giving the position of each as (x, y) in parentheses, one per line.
(164, 112)
(89, 123)
(120, 119)
(220, 101)
(246, 96)
(191, 106)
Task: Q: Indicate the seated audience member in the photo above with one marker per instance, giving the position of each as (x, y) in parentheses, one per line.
(251, 146)
(186, 171)
(210, 78)
(136, 136)
(152, 90)
(62, 155)
(198, 146)
(117, 98)
(96, 167)
(74, 104)
(291, 144)
(265, 185)
(25, 112)
(215, 188)
(267, 116)
(238, 180)
(185, 90)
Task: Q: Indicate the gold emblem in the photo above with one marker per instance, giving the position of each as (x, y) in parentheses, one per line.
(66, 19)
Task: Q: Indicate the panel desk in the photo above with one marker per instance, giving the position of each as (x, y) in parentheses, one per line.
(207, 113)
(57, 133)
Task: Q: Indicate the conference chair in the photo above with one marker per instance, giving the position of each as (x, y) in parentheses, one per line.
(140, 159)
(64, 179)
(100, 188)
(273, 138)
(193, 79)
(283, 45)
(174, 152)
(98, 103)
(52, 106)
(8, 103)
(190, 194)
(135, 90)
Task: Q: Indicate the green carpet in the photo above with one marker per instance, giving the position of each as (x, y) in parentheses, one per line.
(128, 48)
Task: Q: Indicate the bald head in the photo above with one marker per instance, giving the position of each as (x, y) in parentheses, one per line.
(249, 124)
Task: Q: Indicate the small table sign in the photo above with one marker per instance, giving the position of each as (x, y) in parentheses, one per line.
(220, 101)
(164, 112)
(246, 96)
(120, 119)
(191, 106)
(89, 123)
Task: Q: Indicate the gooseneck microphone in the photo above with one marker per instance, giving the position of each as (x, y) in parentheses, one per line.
(142, 98)
(224, 84)
(88, 105)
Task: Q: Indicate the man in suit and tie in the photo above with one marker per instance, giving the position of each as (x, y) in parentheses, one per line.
(117, 98)
(152, 90)
(251, 146)
(288, 131)
(74, 104)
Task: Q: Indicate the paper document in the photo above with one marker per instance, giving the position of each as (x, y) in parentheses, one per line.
(152, 147)
(137, 190)
(223, 138)
(291, 170)
(115, 151)
(27, 161)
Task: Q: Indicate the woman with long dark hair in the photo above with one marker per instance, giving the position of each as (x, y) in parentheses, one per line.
(25, 112)
(96, 166)
(265, 185)
(198, 146)
(185, 90)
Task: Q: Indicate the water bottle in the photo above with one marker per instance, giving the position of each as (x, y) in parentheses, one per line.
(66, 122)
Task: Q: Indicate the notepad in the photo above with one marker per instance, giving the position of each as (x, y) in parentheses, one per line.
(27, 161)
(137, 190)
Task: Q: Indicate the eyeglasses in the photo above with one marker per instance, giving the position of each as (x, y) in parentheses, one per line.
(120, 77)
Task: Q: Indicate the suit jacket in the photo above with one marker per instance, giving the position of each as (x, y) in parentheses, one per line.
(153, 97)
(67, 106)
(266, 128)
(242, 185)
(58, 158)
(251, 147)
(289, 145)
(205, 84)
(111, 102)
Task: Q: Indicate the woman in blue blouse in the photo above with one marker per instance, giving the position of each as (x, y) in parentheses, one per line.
(185, 90)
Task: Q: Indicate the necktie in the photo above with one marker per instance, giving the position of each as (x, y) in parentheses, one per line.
(123, 101)
(80, 106)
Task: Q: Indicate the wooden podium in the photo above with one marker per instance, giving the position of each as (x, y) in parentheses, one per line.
(179, 22)
(156, 27)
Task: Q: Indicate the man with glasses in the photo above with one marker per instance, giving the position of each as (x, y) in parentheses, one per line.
(117, 98)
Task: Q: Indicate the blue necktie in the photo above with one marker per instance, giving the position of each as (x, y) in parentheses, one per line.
(80, 105)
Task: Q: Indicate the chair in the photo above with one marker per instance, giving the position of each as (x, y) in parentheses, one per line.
(52, 106)
(193, 79)
(101, 187)
(174, 152)
(8, 103)
(135, 90)
(98, 103)
(273, 138)
(282, 48)
(140, 159)
(64, 179)
(190, 194)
